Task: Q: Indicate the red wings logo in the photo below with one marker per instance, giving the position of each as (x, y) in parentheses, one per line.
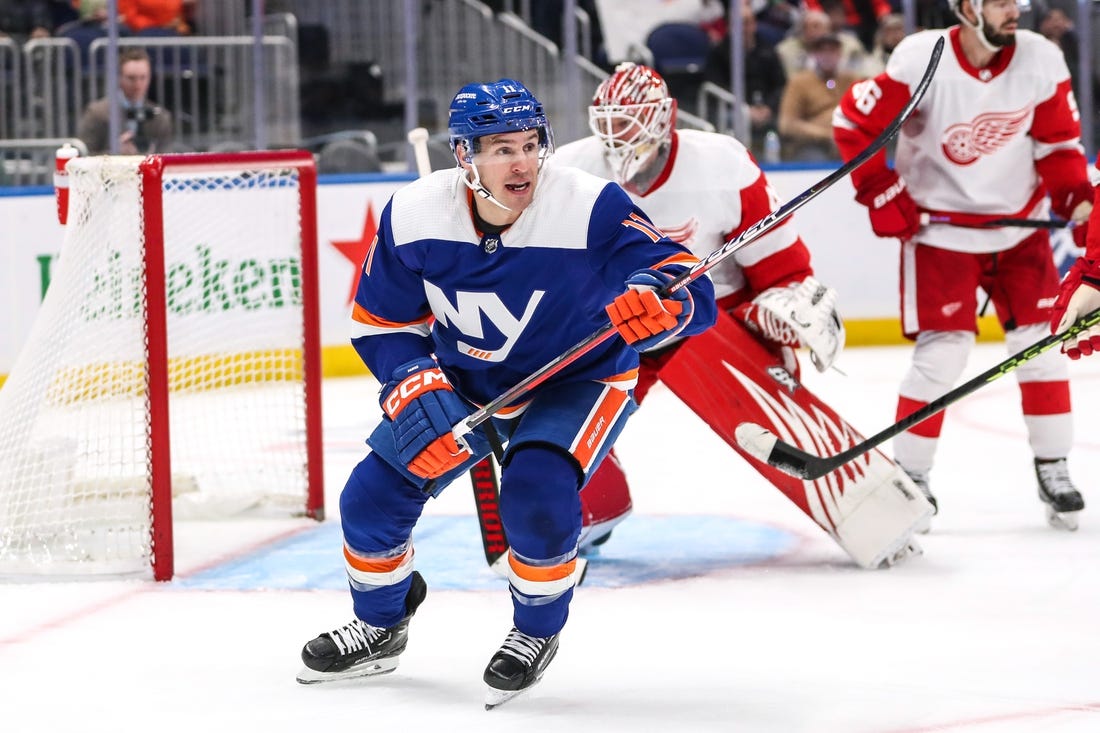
(684, 234)
(966, 142)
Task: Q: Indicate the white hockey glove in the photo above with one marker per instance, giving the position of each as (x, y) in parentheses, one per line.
(801, 314)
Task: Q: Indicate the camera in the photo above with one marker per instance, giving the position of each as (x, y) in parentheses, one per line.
(135, 121)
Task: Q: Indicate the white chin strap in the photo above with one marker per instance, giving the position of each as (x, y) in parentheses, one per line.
(979, 27)
(480, 190)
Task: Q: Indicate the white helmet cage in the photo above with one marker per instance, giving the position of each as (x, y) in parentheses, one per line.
(633, 114)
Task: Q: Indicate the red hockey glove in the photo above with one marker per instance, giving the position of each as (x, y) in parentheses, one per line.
(1079, 295)
(424, 409)
(893, 212)
(1080, 217)
(645, 320)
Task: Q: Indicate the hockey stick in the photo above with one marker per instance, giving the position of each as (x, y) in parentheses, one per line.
(928, 218)
(764, 446)
(418, 138)
(754, 232)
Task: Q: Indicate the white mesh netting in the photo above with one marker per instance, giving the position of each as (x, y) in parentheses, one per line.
(75, 480)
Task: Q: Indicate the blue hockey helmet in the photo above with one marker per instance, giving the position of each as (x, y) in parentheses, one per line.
(497, 107)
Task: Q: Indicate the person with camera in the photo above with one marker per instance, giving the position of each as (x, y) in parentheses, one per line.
(146, 127)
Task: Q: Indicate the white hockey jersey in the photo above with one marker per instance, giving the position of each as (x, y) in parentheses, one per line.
(710, 191)
(990, 141)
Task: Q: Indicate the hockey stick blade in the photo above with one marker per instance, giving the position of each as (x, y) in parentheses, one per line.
(763, 445)
(751, 234)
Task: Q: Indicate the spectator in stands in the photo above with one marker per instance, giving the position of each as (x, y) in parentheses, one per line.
(858, 16)
(25, 19)
(764, 75)
(774, 19)
(806, 108)
(147, 128)
(794, 50)
(889, 34)
(1055, 25)
(141, 16)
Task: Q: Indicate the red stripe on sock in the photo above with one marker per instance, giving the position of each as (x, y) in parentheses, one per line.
(1045, 398)
(928, 428)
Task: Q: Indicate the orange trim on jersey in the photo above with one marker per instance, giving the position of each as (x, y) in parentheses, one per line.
(541, 575)
(370, 255)
(626, 377)
(684, 258)
(359, 314)
(374, 565)
(594, 432)
(647, 229)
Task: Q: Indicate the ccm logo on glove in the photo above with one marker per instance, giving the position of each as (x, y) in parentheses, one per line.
(412, 387)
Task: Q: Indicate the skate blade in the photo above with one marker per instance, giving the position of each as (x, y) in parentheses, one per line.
(368, 669)
(1062, 520)
(496, 698)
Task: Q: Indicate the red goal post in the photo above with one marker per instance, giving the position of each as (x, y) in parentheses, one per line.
(173, 368)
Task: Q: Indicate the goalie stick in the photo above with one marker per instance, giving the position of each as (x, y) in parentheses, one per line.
(754, 232)
(765, 446)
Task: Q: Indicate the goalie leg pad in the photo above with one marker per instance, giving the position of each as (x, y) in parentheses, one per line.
(605, 502)
(726, 377)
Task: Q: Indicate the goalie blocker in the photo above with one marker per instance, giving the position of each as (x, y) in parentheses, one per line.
(870, 507)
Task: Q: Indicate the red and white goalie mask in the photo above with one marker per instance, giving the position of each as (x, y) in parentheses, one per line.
(633, 115)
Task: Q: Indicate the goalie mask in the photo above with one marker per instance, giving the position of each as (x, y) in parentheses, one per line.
(498, 107)
(633, 115)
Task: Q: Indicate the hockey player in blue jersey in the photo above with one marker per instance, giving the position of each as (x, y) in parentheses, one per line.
(478, 277)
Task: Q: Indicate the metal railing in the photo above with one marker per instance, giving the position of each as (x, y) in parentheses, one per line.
(30, 162)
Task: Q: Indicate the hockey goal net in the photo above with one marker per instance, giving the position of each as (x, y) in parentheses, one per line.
(174, 365)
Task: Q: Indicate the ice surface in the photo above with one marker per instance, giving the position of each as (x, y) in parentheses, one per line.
(717, 607)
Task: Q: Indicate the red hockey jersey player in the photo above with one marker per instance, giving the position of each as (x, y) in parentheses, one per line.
(997, 135)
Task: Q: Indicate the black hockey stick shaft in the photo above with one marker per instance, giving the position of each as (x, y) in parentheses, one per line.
(751, 234)
(929, 218)
(797, 462)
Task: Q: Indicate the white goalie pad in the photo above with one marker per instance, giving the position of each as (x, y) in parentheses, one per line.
(809, 309)
(880, 517)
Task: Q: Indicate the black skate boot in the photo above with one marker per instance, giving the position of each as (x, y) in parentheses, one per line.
(358, 649)
(1057, 491)
(920, 479)
(517, 666)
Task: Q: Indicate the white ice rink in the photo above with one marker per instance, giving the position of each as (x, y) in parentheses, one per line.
(717, 607)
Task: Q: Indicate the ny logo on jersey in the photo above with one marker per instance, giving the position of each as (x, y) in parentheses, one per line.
(965, 142)
(466, 314)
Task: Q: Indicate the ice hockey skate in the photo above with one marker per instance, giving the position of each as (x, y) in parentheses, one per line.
(358, 649)
(1062, 499)
(920, 479)
(517, 666)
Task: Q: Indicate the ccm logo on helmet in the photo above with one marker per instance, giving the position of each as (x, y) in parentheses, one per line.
(517, 108)
(412, 387)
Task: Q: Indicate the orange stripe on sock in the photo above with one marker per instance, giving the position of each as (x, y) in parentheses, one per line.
(374, 565)
(541, 575)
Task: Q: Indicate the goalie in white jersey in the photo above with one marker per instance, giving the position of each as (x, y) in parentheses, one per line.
(996, 134)
(701, 189)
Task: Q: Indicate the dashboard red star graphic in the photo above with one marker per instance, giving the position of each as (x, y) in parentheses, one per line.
(355, 250)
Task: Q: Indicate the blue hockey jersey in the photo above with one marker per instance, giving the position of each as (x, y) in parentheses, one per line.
(495, 308)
